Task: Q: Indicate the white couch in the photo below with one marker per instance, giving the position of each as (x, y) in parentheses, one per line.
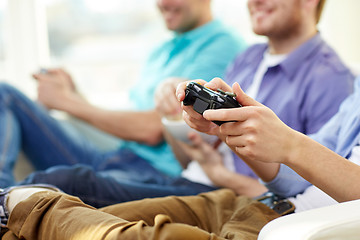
(340, 221)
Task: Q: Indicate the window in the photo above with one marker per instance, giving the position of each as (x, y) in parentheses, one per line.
(2, 52)
(104, 43)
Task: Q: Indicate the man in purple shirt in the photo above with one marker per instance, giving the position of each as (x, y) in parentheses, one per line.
(305, 89)
(295, 73)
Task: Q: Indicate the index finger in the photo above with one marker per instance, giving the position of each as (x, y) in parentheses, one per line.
(230, 114)
(218, 83)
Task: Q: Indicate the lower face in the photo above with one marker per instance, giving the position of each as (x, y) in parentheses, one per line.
(179, 15)
(274, 17)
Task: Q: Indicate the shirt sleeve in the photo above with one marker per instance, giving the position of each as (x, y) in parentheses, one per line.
(329, 133)
(287, 183)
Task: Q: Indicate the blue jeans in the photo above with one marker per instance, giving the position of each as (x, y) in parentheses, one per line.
(74, 164)
(107, 187)
(26, 125)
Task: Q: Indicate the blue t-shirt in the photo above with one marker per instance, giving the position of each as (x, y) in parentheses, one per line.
(202, 53)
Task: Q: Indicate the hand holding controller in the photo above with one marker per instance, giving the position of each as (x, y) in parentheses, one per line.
(202, 98)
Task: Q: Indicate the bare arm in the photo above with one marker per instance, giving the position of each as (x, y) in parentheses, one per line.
(178, 149)
(211, 161)
(138, 126)
(263, 141)
(56, 90)
(332, 173)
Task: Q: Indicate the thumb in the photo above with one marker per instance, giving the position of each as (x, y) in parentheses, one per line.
(242, 98)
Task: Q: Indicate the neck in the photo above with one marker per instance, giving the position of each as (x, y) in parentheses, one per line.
(206, 19)
(285, 44)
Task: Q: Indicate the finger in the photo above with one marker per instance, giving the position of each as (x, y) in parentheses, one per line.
(170, 97)
(53, 71)
(180, 89)
(199, 143)
(35, 76)
(224, 114)
(192, 113)
(218, 83)
(237, 141)
(242, 98)
(239, 114)
(201, 125)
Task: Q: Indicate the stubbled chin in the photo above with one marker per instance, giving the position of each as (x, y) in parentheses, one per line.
(259, 30)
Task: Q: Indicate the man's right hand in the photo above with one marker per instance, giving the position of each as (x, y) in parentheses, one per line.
(165, 99)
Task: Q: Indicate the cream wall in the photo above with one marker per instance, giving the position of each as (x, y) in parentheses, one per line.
(340, 26)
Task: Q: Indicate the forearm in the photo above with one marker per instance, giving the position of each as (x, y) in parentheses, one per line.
(129, 125)
(266, 171)
(242, 185)
(327, 170)
(177, 149)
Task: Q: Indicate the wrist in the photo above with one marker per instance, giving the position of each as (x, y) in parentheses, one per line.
(220, 175)
(295, 147)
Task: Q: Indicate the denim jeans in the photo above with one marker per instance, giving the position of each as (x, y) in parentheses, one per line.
(26, 125)
(107, 187)
(74, 164)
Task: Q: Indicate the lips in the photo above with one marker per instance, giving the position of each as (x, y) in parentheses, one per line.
(169, 14)
(258, 14)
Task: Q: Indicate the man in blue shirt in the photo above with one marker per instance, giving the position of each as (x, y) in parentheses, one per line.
(201, 48)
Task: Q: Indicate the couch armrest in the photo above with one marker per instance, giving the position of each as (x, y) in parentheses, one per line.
(340, 221)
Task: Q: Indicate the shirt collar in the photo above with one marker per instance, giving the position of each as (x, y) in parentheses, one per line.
(291, 63)
(199, 32)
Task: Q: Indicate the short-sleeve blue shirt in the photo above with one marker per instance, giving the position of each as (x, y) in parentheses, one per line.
(202, 53)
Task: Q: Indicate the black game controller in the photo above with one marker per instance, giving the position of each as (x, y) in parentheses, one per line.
(202, 98)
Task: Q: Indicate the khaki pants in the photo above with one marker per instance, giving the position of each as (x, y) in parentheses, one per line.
(213, 215)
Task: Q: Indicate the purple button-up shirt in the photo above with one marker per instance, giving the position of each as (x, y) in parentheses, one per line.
(305, 90)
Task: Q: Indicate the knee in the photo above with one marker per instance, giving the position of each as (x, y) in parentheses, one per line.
(6, 87)
(62, 176)
(7, 90)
